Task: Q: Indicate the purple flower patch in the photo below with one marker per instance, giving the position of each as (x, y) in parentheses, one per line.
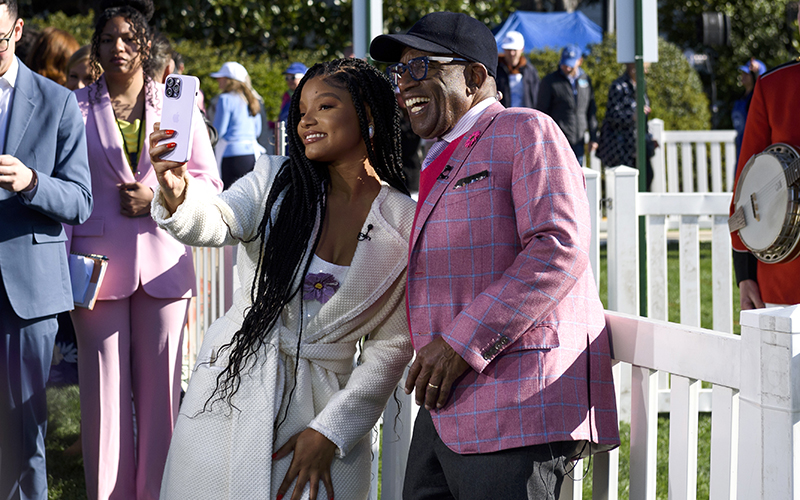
(319, 287)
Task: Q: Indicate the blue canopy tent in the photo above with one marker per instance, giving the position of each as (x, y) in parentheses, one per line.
(551, 30)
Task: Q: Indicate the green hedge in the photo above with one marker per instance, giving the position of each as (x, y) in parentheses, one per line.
(675, 90)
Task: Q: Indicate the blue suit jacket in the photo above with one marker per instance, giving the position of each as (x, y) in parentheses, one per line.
(46, 133)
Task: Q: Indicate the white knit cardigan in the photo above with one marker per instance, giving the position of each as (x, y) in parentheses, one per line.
(225, 452)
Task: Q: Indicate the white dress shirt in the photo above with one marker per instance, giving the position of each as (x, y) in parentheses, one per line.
(7, 82)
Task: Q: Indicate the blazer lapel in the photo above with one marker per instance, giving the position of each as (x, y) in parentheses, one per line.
(377, 263)
(110, 137)
(456, 161)
(22, 109)
(152, 115)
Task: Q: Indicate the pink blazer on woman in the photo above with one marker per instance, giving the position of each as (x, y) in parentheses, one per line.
(138, 251)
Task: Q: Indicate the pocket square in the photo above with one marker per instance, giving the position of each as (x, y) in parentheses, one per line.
(472, 178)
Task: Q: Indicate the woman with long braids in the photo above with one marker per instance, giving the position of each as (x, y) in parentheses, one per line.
(130, 343)
(275, 405)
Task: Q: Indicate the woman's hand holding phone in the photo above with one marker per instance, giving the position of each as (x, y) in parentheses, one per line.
(170, 174)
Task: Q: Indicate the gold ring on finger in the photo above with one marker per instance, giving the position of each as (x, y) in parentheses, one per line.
(432, 386)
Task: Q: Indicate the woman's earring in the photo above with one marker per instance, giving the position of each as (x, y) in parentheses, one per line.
(371, 130)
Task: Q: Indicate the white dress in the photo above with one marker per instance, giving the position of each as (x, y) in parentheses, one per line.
(218, 451)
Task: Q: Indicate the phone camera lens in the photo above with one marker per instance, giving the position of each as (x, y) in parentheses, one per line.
(169, 92)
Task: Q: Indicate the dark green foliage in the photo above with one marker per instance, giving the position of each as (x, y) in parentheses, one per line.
(759, 28)
(274, 27)
(675, 90)
(64, 472)
(400, 15)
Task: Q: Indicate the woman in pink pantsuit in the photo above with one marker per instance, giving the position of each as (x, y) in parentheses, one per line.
(130, 343)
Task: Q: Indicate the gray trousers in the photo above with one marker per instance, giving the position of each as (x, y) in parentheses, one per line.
(436, 472)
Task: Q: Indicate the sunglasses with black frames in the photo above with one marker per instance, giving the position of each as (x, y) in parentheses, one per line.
(418, 67)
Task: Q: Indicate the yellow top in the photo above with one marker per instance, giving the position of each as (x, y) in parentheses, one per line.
(131, 138)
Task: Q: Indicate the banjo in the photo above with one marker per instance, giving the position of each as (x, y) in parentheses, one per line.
(767, 204)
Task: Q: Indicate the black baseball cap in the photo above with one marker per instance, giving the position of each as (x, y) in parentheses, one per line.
(441, 33)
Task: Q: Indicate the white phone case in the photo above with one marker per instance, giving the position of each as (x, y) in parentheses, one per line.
(178, 114)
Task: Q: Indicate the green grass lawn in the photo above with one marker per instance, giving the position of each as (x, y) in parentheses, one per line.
(66, 480)
(65, 473)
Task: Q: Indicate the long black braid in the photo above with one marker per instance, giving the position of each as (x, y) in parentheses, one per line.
(137, 13)
(285, 254)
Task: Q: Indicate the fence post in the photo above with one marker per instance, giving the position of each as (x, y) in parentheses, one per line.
(623, 237)
(659, 185)
(769, 404)
(595, 215)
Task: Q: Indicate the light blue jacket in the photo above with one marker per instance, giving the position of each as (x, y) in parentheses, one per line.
(235, 125)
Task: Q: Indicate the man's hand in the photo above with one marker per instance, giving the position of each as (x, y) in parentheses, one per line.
(14, 175)
(593, 146)
(433, 372)
(750, 295)
(134, 199)
(311, 463)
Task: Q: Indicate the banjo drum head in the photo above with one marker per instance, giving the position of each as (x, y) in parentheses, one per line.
(771, 196)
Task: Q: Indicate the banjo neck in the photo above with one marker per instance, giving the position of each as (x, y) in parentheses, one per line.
(793, 172)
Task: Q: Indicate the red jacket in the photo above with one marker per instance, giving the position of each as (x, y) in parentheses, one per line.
(773, 118)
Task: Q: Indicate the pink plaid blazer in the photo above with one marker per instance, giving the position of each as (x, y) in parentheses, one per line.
(499, 267)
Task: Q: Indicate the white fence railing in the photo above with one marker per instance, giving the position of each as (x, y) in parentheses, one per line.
(689, 161)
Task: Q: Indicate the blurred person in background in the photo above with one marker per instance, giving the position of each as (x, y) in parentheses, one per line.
(293, 74)
(617, 145)
(161, 58)
(238, 123)
(748, 74)
(79, 69)
(50, 54)
(567, 96)
(130, 344)
(517, 79)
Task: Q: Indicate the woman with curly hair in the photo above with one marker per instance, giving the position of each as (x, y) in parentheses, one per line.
(276, 405)
(129, 355)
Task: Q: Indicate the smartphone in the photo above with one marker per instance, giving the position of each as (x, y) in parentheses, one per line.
(178, 114)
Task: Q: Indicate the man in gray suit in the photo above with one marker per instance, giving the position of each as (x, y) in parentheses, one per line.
(44, 181)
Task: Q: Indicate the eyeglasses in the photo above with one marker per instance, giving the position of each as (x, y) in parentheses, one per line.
(4, 41)
(417, 67)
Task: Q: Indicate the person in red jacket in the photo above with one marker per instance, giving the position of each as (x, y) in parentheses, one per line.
(772, 118)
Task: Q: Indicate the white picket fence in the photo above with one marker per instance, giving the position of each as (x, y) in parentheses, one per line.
(689, 161)
(755, 395)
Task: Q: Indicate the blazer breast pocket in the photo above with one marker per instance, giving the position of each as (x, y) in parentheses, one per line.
(468, 187)
(92, 227)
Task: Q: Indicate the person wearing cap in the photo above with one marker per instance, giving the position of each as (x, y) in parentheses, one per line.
(517, 79)
(567, 96)
(293, 74)
(238, 123)
(504, 313)
(771, 119)
(748, 74)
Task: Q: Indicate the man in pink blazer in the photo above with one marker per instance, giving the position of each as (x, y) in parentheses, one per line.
(513, 364)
